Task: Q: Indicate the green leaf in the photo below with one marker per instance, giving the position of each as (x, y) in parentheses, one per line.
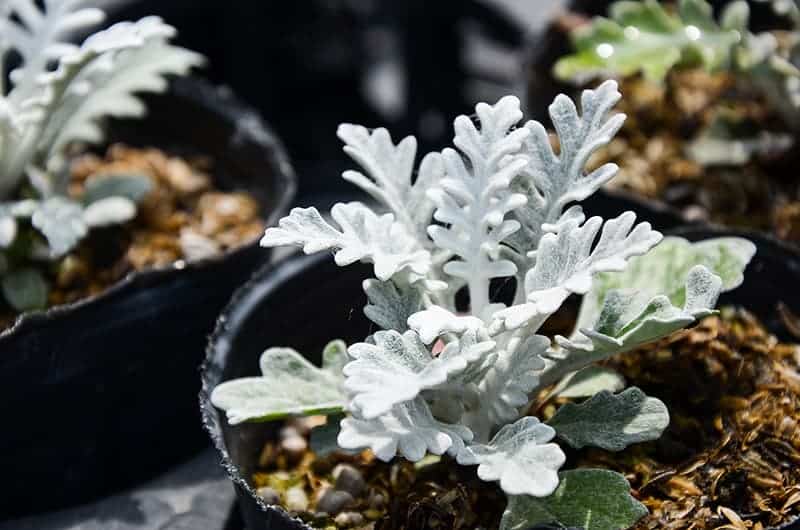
(591, 499)
(645, 37)
(290, 386)
(664, 269)
(589, 381)
(25, 289)
(323, 437)
(133, 187)
(611, 421)
(61, 221)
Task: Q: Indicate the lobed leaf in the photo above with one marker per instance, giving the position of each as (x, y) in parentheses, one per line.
(290, 386)
(611, 421)
(590, 499)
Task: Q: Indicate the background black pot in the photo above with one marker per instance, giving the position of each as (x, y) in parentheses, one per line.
(100, 394)
(309, 65)
(305, 301)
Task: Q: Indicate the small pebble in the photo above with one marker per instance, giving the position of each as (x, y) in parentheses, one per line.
(333, 501)
(294, 445)
(376, 501)
(349, 519)
(296, 499)
(349, 479)
(269, 495)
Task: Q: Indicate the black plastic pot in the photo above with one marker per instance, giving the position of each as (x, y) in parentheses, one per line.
(99, 394)
(305, 301)
(309, 65)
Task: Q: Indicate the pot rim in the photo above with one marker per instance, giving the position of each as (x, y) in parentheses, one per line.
(268, 278)
(247, 123)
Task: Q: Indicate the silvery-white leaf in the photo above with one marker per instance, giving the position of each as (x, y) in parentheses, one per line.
(111, 87)
(290, 386)
(62, 222)
(508, 384)
(473, 198)
(435, 321)
(567, 261)
(8, 230)
(363, 236)
(23, 209)
(663, 270)
(718, 146)
(388, 174)
(25, 289)
(589, 381)
(396, 368)
(109, 211)
(408, 430)
(130, 186)
(611, 421)
(614, 332)
(519, 457)
(590, 499)
(551, 182)
(39, 36)
(391, 304)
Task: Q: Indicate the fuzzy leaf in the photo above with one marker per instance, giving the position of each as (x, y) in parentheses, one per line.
(408, 430)
(110, 86)
(109, 211)
(590, 381)
(25, 289)
(130, 186)
(473, 198)
(8, 229)
(388, 174)
(363, 236)
(435, 321)
(290, 386)
(552, 181)
(61, 221)
(645, 37)
(519, 457)
(390, 304)
(590, 499)
(395, 369)
(663, 270)
(611, 421)
(40, 36)
(567, 261)
(615, 332)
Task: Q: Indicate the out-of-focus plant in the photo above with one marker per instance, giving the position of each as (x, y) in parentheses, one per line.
(652, 38)
(55, 97)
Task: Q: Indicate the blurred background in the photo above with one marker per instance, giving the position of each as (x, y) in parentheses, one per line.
(309, 65)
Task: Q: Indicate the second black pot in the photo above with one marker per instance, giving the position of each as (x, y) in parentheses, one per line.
(305, 301)
(99, 394)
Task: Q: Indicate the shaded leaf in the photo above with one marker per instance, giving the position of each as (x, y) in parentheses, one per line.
(590, 499)
(590, 381)
(133, 187)
(25, 289)
(611, 421)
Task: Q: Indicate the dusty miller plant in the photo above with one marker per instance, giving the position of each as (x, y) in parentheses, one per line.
(54, 97)
(652, 37)
(439, 378)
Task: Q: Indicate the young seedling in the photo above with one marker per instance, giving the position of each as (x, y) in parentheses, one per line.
(54, 97)
(502, 205)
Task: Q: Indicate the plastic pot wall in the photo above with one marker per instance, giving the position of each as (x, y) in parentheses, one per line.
(100, 394)
(306, 301)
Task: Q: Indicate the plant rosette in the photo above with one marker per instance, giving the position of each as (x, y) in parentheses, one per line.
(452, 366)
(81, 362)
(712, 102)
